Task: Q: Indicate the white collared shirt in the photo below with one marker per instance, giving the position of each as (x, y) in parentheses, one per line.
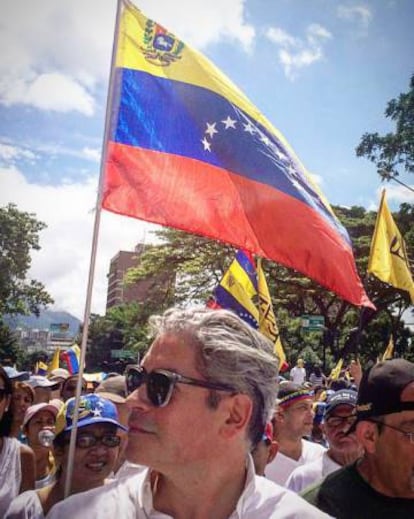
(311, 473)
(282, 466)
(131, 498)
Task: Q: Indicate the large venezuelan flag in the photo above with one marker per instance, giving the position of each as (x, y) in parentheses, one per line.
(187, 149)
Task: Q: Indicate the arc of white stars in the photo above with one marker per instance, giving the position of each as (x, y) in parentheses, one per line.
(249, 128)
(281, 155)
(229, 123)
(265, 140)
(211, 129)
(206, 144)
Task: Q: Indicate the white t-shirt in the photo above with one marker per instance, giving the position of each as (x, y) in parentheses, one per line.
(282, 466)
(311, 473)
(25, 506)
(131, 498)
(298, 375)
(10, 472)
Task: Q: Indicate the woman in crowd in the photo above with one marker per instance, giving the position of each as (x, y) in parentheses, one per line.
(22, 399)
(317, 378)
(17, 462)
(97, 446)
(39, 428)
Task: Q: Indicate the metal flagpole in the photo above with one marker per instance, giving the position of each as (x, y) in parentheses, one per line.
(87, 312)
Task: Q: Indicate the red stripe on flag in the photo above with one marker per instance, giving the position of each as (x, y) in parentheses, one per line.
(203, 199)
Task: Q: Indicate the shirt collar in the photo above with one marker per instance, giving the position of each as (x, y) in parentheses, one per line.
(248, 490)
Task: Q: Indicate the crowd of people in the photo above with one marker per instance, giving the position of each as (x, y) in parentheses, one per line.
(205, 428)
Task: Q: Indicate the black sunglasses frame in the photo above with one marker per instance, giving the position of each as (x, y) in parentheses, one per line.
(161, 399)
(3, 393)
(95, 440)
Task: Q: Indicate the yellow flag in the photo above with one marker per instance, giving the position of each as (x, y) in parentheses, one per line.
(389, 351)
(267, 319)
(388, 259)
(336, 371)
(54, 363)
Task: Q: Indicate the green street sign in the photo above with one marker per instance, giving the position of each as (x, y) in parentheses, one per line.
(313, 322)
(123, 354)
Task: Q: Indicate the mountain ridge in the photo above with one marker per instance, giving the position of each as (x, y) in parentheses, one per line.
(44, 321)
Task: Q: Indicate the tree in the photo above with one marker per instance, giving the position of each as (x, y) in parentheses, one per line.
(394, 151)
(124, 327)
(10, 351)
(200, 263)
(19, 235)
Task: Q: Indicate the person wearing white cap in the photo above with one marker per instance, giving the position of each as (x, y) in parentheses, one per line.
(43, 388)
(39, 420)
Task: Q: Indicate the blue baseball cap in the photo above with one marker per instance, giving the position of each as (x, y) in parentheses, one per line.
(93, 409)
(341, 397)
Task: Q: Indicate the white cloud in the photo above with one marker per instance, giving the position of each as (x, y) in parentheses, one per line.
(360, 14)
(56, 54)
(399, 193)
(281, 37)
(92, 154)
(51, 91)
(200, 23)
(62, 263)
(297, 53)
(9, 153)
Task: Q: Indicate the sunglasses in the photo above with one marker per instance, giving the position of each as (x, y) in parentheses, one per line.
(3, 393)
(160, 383)
(337, 421)
(86, 441)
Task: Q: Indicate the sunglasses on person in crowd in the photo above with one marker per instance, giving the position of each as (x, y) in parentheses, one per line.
(160, 383)
(338, 421)
(2, 393)
(85, 441)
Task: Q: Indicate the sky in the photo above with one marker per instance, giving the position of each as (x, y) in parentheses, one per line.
(322, 71)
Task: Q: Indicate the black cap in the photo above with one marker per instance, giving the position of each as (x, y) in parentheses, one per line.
(381, 387)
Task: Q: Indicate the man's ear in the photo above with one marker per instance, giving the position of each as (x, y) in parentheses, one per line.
(279, 415)
(238, 410)
(367, 435)
(273, 450)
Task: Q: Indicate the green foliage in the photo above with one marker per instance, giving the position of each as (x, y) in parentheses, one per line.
(394, 151)
(200, 264)
(19, 235)
(123, 327)
(10, 352)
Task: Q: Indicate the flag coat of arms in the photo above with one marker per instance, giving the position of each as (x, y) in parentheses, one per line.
(185, 148)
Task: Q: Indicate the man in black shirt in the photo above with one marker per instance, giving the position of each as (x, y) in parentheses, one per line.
(381, 483)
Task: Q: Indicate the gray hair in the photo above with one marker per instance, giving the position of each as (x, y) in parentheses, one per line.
(230, 352)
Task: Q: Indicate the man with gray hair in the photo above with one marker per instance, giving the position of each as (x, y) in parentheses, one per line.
(199, 403)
